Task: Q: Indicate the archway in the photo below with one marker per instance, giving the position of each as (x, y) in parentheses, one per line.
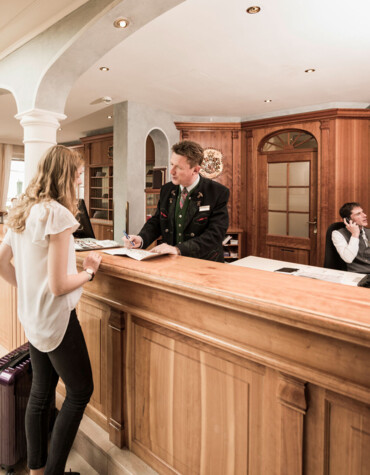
(156, 160)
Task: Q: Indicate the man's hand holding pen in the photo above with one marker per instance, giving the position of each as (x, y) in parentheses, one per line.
(132, 241)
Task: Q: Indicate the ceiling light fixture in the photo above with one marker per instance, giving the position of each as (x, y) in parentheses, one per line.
(253, 10)
(104, 68)
(109, 116)
(121, 23)
(311, 70)
(267, 100)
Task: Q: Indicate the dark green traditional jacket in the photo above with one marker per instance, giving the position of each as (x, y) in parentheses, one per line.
(203, 227)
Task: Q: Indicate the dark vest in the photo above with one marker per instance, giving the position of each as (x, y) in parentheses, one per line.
(180, 215)
(361, 262)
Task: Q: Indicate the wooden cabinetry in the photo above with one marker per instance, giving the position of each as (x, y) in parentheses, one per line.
(101, 192)
(341, 167)
(98, 152)
(271, 378)
(233, 245)
(151, 201)
(340, 172)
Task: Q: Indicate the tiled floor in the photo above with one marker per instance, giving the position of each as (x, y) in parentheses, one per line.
(75, 462)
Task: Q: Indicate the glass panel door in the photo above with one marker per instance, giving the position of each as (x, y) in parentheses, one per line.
(289, 198)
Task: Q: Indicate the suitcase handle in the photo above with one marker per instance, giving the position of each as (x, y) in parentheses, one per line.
(15, 360)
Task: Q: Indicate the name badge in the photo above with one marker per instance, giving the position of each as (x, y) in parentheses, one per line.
(204, 208)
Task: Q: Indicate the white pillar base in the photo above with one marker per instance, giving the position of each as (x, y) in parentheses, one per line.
(40, 133)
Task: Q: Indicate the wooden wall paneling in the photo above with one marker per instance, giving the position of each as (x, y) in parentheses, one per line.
(237, 190)
(6, 315)
(99, 149)
(343, 165)
(291, 395)
(352, 162)
(103, 231)
(226, 138)
(348, 436)
(19, 337)
(116, 377)
(337, 434)
(250, 217)
(244, 185)
(327, 189)
(87, 176)
(290, 255)
(93, 316)
(314, 430)
(194, 403)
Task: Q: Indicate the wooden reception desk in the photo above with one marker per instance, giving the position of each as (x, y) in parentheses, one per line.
(208, 368)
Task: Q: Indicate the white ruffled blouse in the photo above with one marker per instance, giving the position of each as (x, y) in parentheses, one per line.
(43, 315)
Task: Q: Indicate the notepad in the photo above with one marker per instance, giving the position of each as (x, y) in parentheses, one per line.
(137, 254)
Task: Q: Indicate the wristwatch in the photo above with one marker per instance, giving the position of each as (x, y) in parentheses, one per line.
(90, 272)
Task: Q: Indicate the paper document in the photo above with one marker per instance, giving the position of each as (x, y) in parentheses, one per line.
(88, 244)
(330, 275)
(138, 254)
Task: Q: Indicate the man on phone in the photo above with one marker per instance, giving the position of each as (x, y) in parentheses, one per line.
(352, 241)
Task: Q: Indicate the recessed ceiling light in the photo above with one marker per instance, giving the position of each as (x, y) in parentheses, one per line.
(104, 68)
(311, 70)
(121, 23)
(267, 100)
(109, 116)
(253, 10)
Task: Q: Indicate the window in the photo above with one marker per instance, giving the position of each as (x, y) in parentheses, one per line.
(16, 180)
(289, 140)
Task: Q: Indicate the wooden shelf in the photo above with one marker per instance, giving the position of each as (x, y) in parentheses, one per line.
(99, 183)
(151, 201)
(235, 250)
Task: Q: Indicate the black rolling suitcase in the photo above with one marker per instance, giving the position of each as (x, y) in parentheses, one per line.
(15, 385)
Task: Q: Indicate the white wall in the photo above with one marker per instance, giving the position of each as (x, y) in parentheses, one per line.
(132, 124)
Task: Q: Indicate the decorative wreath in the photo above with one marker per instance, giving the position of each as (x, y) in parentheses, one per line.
(212, 165)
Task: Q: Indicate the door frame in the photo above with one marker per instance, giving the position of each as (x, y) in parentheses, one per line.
(264, 240)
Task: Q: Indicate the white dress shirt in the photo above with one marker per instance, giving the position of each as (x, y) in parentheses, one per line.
(347, 250)
(43, 315)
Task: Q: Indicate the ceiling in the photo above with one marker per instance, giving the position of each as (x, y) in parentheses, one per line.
(210, 60)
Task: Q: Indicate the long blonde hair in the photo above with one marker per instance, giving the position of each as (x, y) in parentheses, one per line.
(54, 180)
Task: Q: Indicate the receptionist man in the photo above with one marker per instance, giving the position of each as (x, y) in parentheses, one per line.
(191, 215)
(353, 241)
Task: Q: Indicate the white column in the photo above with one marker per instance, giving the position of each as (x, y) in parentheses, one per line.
(40, 133)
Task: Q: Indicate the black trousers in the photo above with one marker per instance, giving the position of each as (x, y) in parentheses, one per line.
(70, 361)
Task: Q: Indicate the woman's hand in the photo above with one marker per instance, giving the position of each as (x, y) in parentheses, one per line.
(92, 260)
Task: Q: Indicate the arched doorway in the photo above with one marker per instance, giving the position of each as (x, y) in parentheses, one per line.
(156, 157)
(287, 195)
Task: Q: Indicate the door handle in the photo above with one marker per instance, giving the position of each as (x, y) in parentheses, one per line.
(314, 222)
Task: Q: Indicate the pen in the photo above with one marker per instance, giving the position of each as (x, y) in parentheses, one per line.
(128, 237)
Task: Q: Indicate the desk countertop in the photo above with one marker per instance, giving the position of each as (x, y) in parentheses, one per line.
(322, 306)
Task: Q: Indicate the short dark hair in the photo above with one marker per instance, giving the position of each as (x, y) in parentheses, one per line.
(346, 209)
(191, 150)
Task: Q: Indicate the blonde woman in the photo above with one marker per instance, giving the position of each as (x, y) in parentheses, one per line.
(40, 242)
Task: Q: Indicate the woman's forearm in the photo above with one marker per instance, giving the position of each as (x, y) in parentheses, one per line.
(7, 272)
